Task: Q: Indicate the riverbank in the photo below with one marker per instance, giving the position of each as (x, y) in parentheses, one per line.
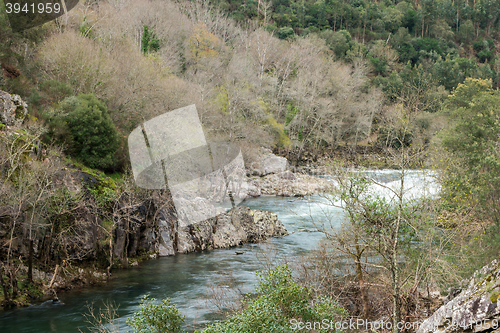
(189, 279)
(105, 222)
(239, 226)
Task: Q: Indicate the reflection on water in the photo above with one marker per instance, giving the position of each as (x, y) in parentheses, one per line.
(185, 278)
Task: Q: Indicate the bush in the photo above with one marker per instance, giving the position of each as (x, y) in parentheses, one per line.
(394, 138)
(485, 49)
(55, 90)
(83, 125)
(157, 318)
(339, 42)
(285, 33)
(149, 41)
(281, 302)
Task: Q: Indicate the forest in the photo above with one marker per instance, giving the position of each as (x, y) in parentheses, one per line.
(405, 85)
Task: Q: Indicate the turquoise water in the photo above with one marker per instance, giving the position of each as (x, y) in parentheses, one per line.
(186, 279)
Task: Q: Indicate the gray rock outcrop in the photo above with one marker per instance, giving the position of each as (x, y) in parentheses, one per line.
(268, 163)
(289, 184)
(473, 309)
(13, 109)
(238, 226)
(270, 175)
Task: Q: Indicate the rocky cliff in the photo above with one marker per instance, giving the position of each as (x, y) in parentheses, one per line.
(475, 308)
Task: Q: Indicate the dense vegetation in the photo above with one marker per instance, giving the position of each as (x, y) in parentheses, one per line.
(427, 44)
(414, 84)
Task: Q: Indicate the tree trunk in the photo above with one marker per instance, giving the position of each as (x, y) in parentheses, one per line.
(364, 29)
(54, 276)
(110, 256)
(396, 314)
(13, 282)
(6, 295)
(362, 287)
(423, 26)
(394, 264)
(30, 262)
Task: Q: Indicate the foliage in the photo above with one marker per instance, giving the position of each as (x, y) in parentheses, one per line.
(474, 140)
(280, 299)
(485, 49)
(149, 42)
(279, 130)
(203, 43)
(82, 123)
(339, 42)
(394, 138)
(156, 318)
(56, 90)
(285, 33)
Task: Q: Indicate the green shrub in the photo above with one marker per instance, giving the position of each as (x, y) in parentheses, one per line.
(156, 318)
(285, 33)
(83, 125)
(149, 41)
(281, 303)
(339, 42)
(55, 90)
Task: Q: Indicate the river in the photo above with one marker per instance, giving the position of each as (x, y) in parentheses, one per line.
(186, 279)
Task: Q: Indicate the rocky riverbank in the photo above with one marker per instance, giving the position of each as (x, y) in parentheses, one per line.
(288, 184)
(238, 226)
(272, 175)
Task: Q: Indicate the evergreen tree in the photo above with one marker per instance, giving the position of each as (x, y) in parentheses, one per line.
(149, 42)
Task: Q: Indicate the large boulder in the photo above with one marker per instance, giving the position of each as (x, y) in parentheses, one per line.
(475, 308)
(238, 226)
(268, 163)
(13, 109)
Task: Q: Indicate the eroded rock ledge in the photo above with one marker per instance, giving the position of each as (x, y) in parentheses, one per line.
(473, 309)
(238, 226)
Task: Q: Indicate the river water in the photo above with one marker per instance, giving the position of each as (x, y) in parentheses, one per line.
(186, 279)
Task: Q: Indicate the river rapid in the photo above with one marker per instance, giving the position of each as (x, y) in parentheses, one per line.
(186, 279)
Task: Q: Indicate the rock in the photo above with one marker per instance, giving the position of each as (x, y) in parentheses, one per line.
(147, 239)
(166, 235)
(99, 275)
(288, 175)
(253, 189)
(13, 109)
(289, 184)
(475, 308)
(238, 226)
(268, 163)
